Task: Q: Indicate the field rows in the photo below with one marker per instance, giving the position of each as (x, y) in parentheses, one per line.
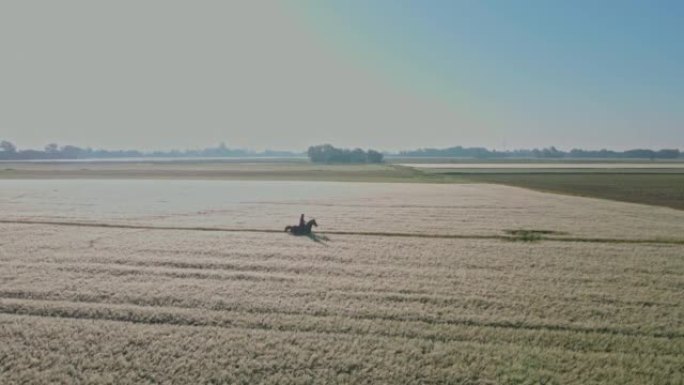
(237, 355)
(577, 341)
(273, 308)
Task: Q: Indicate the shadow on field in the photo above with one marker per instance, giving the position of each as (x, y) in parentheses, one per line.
(322, 239)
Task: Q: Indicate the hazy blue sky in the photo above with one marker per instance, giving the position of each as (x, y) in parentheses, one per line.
(385, 73)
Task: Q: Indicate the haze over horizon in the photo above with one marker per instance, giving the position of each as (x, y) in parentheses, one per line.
(391, 75)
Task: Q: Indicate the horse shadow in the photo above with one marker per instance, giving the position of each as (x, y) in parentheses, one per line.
(318, 238)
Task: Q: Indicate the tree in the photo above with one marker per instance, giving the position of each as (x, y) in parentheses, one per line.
(326, 153)
(551, 152)
(357, 156)
(8, 147)
(321, 153)
(71, 152)
(52, 148)
(374, 156)
(668, 154)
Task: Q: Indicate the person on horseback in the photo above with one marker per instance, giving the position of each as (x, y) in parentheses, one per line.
(304, 228)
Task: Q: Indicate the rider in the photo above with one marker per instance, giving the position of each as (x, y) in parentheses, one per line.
(301, 221)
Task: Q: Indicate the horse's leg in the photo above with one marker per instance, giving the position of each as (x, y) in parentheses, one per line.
(287, 228)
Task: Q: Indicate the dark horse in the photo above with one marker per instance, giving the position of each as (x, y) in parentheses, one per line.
(302, 229)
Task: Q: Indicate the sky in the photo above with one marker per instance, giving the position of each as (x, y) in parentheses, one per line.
(384, 74)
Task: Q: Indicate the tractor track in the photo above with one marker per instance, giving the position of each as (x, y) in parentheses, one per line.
(667, 241)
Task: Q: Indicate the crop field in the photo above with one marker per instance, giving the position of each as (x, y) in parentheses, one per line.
(646, 182)
(659, 184)
(207, 170)
(168, 281)
(660, 188)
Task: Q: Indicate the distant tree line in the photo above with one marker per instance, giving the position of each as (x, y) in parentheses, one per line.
(326, 153)
(545, 153)
(8, 151)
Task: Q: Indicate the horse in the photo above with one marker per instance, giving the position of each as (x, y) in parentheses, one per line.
(301, 230)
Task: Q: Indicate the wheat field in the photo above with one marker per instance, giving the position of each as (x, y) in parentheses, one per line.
(403, 284)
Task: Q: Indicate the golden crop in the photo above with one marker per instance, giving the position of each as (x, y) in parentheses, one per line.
(146, 305)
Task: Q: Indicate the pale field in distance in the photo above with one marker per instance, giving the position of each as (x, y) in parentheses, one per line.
(92, 304)
(549, 165)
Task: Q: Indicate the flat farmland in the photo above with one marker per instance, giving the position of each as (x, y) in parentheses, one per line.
(120, 281)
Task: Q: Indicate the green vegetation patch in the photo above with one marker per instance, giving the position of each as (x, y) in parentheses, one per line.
(526, 235)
